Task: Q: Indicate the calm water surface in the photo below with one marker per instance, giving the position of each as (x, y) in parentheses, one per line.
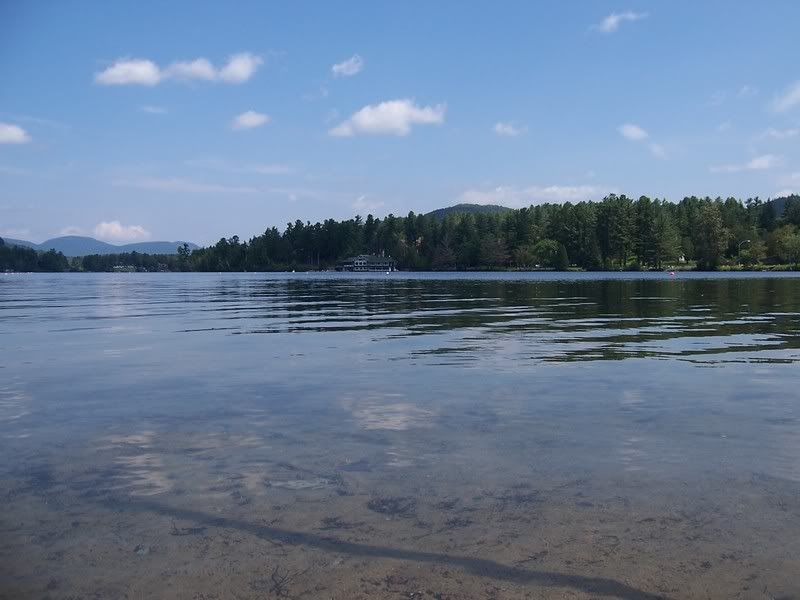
(399, 436)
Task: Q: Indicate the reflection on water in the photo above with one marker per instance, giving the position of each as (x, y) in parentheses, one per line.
(337, 436)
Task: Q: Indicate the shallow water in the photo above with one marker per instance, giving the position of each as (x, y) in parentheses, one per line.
(400, 436)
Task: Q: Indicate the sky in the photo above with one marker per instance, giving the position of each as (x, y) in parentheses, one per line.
(137, 120)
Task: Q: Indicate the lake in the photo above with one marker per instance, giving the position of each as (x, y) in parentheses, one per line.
(426, 436)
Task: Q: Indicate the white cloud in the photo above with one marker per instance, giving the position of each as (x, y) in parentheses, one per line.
(13, 134)
(784, 193)
(200, 68)
(239, 68)
(508, 129)
(759, 163)
(250, 119)
(393, 117)
(780, 134)
(348, 68)
(724, 126)
(516, 197)
(153, 110)
(130, 72)
(177, 184)
(612, 22)
(117, 232)
(632, 132)
(789, 99)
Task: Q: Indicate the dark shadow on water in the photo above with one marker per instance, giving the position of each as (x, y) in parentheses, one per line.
(477, 566)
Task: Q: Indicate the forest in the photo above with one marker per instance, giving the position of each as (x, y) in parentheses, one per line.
(617, 233)
(22, 259)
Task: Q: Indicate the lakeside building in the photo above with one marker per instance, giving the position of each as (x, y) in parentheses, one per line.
(367, 262)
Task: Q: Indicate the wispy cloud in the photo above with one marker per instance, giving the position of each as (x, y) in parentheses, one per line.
(114, 231)
(788, 99)
(72, 230)
(657, 150)
(178, 184)
(508, 129)
(228, 167)
(9, 170)
(249, 120)
(717, 98)
(792, 183)
(35, 120)
(634, 133)
(153, 110)
(13, 134)
(612, 22)
(759, 163)
(364, 204)
(268, 169)
(394, 117)
(139, 71)
(780, 134)
(15, 233)
(747, 91)
(516, 197)
(347, 68)
(299, 193)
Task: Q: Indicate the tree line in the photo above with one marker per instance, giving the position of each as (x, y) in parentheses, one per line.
(615, 233)
(23, 259)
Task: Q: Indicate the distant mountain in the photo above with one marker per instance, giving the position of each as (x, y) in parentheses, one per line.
(473, 209)
(74, 245)
(13, 242)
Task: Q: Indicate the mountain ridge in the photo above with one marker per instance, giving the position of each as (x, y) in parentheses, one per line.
(76, 245)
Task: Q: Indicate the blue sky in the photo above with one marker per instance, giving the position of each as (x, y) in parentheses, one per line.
(185, 120)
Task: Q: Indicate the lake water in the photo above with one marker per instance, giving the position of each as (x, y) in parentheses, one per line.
(399, 436)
